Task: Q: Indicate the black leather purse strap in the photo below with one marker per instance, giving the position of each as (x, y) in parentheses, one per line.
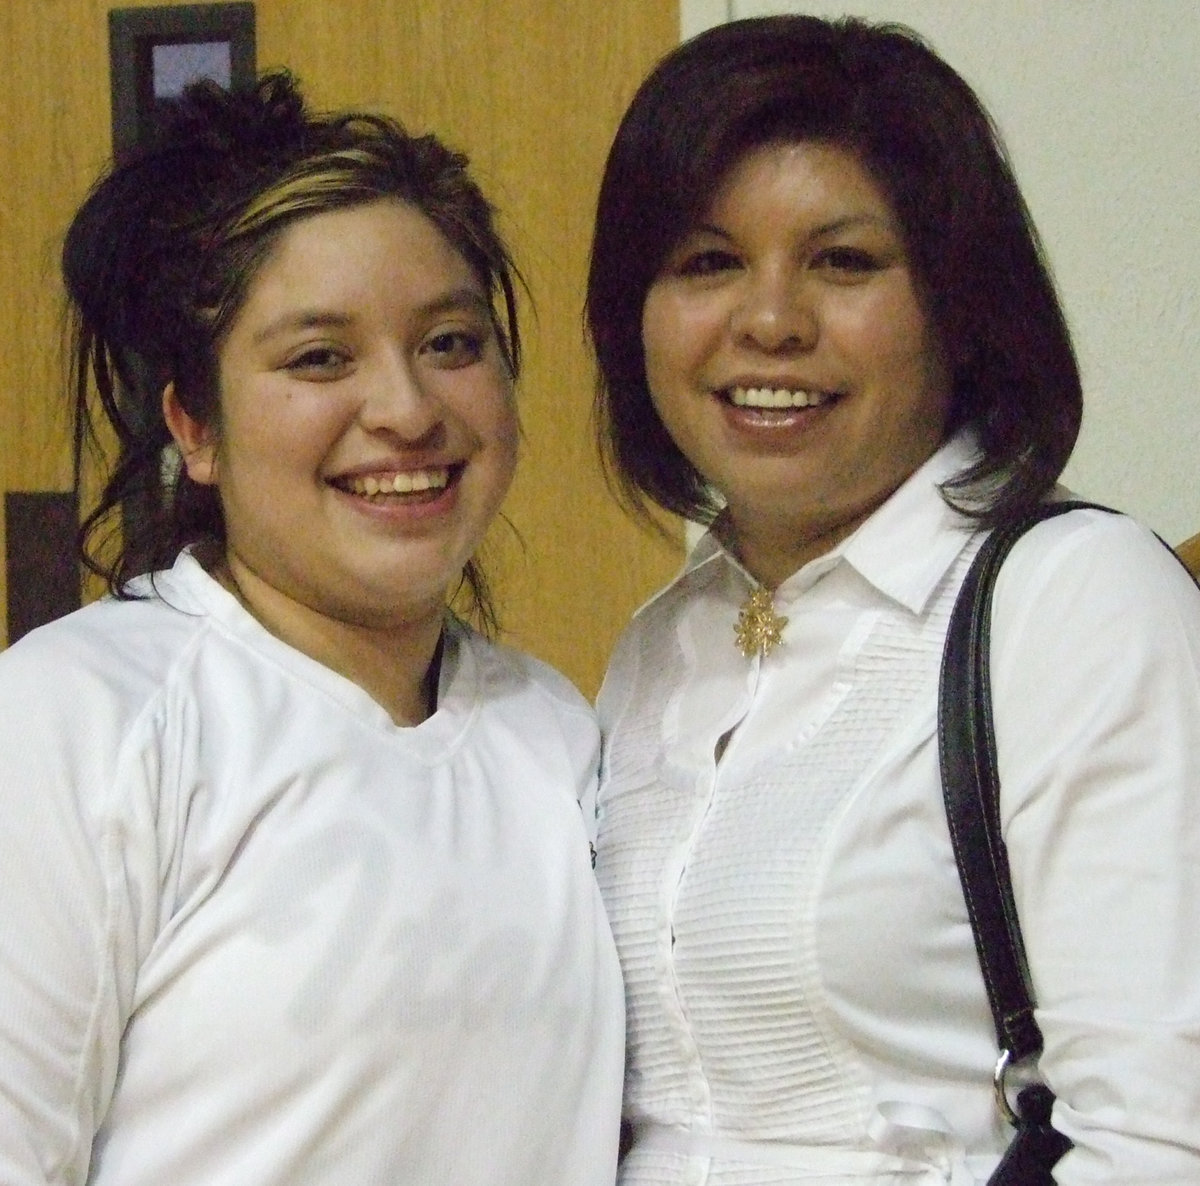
(971, 786)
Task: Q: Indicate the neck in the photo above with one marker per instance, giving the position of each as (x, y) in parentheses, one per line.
(395, 663)
(771, 557)
(771, 550)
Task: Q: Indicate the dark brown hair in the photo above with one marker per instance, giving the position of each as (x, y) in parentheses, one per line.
(918, 128)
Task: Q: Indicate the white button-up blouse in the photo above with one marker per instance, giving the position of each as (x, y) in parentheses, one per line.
(803, 993)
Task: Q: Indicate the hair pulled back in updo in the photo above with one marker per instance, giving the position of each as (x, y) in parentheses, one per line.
(157, 263)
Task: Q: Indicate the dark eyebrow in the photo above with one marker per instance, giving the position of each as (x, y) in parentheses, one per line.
(300, 319)
(832, 227)
(850, 221)
(458, 300)
(706, 228)
(463, 299)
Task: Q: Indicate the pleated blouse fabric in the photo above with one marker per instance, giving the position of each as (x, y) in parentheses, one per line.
(803, 997)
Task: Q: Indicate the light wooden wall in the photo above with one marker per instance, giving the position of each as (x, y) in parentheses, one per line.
(532, 90)
(1189, 553)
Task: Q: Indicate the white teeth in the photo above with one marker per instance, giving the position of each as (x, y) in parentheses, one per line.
(400, 483)
(776, 397)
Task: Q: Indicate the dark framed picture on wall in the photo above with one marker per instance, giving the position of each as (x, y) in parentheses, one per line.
(155, 52)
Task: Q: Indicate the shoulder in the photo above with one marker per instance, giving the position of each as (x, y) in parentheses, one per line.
(1099, 566)
(117, 642)
(86, 680)
(531, 714)
(513, 675)
(1093, 617)
(82, 741)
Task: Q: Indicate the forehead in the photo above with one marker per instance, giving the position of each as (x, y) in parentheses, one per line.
(385, 249)
(809, 174)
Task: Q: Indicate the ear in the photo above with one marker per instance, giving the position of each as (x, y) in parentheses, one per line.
(197, 442)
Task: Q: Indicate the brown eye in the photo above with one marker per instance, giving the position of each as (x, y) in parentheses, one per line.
(850, 260)
(707, 263)
(455, 348)
(319, 363)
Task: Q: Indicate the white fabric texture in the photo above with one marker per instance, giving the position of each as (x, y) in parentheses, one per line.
(800, 973)
(255, 934)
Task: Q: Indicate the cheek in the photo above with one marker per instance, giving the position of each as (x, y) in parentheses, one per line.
(671, 398)
(498, 425)
(922, 364)
(897, 343)
(508, 446)
(281, 436)
(671, 330)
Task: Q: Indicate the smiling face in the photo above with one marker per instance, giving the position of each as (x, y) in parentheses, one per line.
(789, 355)
(367, 428)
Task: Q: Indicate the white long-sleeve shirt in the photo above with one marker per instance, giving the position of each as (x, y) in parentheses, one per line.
(803, 993)
(252, 933)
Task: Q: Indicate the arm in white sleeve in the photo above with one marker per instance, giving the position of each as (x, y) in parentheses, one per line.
(65, 948)
(1096, 691)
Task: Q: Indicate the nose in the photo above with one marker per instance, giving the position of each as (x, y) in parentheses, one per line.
(775, 311)
(395, 401)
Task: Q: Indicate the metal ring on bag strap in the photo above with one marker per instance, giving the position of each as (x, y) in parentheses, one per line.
(1000, 1087)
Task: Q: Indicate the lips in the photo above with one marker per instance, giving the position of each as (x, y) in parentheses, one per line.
(390, 484)
(773, 398)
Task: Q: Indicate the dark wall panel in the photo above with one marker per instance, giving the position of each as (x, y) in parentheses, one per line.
(39, 545)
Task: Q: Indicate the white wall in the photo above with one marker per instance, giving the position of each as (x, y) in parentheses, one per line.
(1099, 104)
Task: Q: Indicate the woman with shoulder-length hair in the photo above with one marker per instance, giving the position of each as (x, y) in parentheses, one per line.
(827, 332)
(296, 886)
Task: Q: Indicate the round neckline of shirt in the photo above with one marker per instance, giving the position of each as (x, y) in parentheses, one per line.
(433, 738)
